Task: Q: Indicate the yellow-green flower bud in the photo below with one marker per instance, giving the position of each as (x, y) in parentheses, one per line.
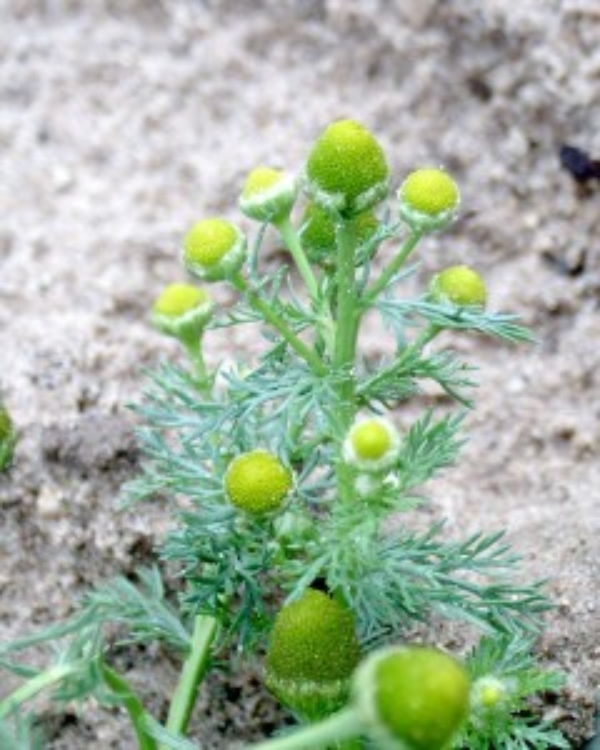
(346, 169)
(214, 249)
(312, 654)
(411, 698)
(458, 285)
(257, 482)
(318, 234)
(268, 195)
(371, 445)
(488, 694)
(182, 311)
(429, 199)
(8, 439)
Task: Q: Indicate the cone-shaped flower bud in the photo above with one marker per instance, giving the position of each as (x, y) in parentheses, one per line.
(458, 285)
(268, 195)
(318, 234)
(8, 439)
(411, 698)
(214, 249)
(371, 445)
(429, 199)
(346, 169)
(257, 482)
(182, 311)
(312, 654)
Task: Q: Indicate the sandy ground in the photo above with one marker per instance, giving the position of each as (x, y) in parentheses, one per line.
(123, 122)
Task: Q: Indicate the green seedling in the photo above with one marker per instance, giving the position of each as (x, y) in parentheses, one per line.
(295, 477)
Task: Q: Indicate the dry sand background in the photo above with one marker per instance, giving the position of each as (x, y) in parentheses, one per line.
(123, 122)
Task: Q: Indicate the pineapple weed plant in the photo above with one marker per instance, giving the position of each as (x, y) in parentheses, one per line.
(293, 487)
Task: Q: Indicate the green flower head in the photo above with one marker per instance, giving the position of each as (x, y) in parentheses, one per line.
(429, 199)
(214, 249)
(268, 195)
(460, 286)
(257, 482)
(412, 698)
(371, 445)
(312, 654)
(182, 311)
(346, 170)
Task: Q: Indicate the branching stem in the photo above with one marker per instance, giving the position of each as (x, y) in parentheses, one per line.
(132, 704)
(346, 333)
(36, 685)
(426, 335)
(292, 241)
(193, 347)
(273, 319)
(343, 725)
(391, 269)
(205, 628)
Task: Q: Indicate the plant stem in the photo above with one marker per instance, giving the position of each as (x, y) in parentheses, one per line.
(391, 269)
(132, 705)
(280, 325)
(292, 241)
(320, 306)
(194, 669)
(193, 347)
(36, 685)
(426, 335)
(341, 726)
(346, 332)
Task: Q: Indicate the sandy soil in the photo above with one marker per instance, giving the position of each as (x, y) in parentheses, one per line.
(123, 122)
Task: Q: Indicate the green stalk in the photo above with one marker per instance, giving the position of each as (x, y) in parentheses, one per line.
(391, 269)
(346, 333)
(36, 685)
(132, 705)
(193, 347)
(343, 725)
(292, 241)
(293, 244)
(426, 335)
(194, 669)
(280, 325)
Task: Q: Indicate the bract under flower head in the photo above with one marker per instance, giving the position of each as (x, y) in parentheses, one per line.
(412, 697)
(182, 310)
(268, 195)
(429, 199)
(371, 445)
(312, 654)
(458, 285)
(257, 482)
(346, 170)
(214, 249)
